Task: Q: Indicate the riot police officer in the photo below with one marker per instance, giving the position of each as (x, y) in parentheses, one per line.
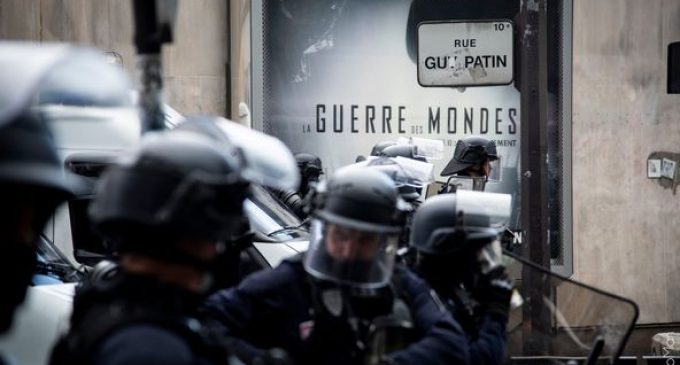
(32, 185)
(32, 179)
(458, 255)
(320, 307)
(475, 158)
(166, 211)
(310, 169)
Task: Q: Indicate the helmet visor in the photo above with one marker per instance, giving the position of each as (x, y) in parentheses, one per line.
(496, 206)
(350, 256)
(430, 149)
(404, 171)
(266, 160)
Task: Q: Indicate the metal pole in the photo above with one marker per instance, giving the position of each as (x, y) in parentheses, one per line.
(151, 91)
(228, 65)
(534, 214)
(154, 22)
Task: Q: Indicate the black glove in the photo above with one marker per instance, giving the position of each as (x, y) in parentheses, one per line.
(496, 292)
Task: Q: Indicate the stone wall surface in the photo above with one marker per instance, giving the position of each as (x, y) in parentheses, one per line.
(194, 66)
(626, 227)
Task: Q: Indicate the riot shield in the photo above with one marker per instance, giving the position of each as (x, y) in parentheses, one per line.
(561, 321)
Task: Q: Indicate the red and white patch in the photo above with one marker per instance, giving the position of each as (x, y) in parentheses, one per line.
(306, 328)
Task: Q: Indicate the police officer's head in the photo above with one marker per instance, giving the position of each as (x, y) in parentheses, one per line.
(310, 170)
(354, 232)
(402, 150)
(174, 201)
(474, 158)
(449, 233)
(31, 186)
(380, 146)
(405, 187)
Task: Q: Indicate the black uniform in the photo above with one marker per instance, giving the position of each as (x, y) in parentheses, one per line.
(449, 234)
(485, 330)
(276, 309)
(128, 320)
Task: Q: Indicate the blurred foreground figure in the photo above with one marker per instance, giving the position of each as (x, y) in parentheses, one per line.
(31, 187)
(167, 211)
(32, 178)
(342, 302)
(459, 256)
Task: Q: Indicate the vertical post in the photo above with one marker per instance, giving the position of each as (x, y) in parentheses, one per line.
(534, 214)
(228, 65)
(154, 22)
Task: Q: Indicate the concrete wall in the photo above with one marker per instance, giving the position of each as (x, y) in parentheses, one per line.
(194, 66)
(240, 59)
(626, 227)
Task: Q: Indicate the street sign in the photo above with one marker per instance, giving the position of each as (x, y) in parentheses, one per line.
(478, 53)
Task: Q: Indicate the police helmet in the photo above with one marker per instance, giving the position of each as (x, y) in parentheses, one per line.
(469, 152)
(408, 188)
(354, 232)
(178, 184)
(309, 164)
(444, 225)
(402, 150)
(28, 157)
(380, 146)
(359, 198)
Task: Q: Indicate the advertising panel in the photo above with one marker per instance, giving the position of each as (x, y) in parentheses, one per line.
(341, 76)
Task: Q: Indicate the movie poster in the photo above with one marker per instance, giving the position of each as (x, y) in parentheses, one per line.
(339, 76)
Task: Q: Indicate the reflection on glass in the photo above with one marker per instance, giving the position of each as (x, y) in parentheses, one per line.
(561, 320)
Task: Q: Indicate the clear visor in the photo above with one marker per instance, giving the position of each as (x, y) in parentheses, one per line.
(496, 206)
(266, 160)
(430, 149)
(349, 256)
(404, 171)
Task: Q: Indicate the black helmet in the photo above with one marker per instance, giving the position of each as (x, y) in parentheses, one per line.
(28, 157)
(31, 187)
(469, 152)
(380, 146)
(177, 185)
(309, 164)
(360, 198)
(443, 226)
(402, 150)
(408, 190)
(354, 234)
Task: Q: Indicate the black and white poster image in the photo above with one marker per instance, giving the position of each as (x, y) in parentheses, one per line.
(654, 168)
(340, 76)
(668, 168)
